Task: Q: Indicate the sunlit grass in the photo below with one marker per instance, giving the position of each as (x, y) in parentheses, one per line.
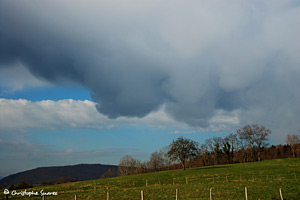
(262, 179)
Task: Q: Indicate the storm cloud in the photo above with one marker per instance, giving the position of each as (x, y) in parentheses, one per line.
(194, 58)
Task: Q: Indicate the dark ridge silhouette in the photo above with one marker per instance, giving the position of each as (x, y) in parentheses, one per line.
(79, 172)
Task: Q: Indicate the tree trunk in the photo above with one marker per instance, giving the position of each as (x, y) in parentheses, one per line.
(293, 151)
(258, 155)
(183, 165)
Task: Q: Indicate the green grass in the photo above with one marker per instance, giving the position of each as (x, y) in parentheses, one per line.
(262, 179)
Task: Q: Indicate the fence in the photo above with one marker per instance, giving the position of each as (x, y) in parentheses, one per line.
(195, 187)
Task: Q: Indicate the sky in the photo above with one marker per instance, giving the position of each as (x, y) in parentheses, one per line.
(92, 81)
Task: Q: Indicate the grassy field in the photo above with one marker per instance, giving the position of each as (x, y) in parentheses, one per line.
(262, 179)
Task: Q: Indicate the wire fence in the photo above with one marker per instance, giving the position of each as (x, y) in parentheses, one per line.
(230, 186)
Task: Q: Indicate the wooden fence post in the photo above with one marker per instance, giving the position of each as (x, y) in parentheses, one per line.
(142, 195)
(280, 194)
(246, 193)
(210, 194)
(176, 194)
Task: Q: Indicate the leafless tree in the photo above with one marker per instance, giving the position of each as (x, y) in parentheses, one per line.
(156, 161)
(164, 153)
(292, 141)
(217, 141)
(233, 141)
(127, 165)
(255, 137)
(214, 145)
(226, 148)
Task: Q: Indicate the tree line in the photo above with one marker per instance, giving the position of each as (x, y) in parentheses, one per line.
(248, 144)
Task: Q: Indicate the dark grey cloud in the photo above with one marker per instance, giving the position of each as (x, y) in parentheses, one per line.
(194, 58)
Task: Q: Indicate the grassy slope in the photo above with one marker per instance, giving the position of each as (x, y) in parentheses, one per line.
(262, 179)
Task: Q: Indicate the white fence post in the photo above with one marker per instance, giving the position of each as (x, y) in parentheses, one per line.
(246, 194)
(280, 194)
(210, 194)
(142, 195)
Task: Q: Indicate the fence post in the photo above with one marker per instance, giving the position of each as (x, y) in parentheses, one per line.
(142, 195)
(107, 195)
(246, 194)
(280, 194)
(44, 197)
(75, 197)
(210, 194)
(176, 194)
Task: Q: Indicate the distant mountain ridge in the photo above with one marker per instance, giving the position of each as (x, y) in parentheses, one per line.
(80, 172)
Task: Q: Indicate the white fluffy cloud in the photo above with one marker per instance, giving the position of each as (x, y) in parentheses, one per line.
(24, 114)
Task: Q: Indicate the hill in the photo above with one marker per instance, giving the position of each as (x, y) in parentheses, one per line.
(80, 172)
(262, 179)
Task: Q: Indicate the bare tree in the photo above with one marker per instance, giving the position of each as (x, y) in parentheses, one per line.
(183, 150)
(226, 148)
(141, 167)
(214, 145)
(292, 141)
(127, 165)
(255, 137)
(156, 161)
(164, 153)
(233, 141)
(260, 138)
